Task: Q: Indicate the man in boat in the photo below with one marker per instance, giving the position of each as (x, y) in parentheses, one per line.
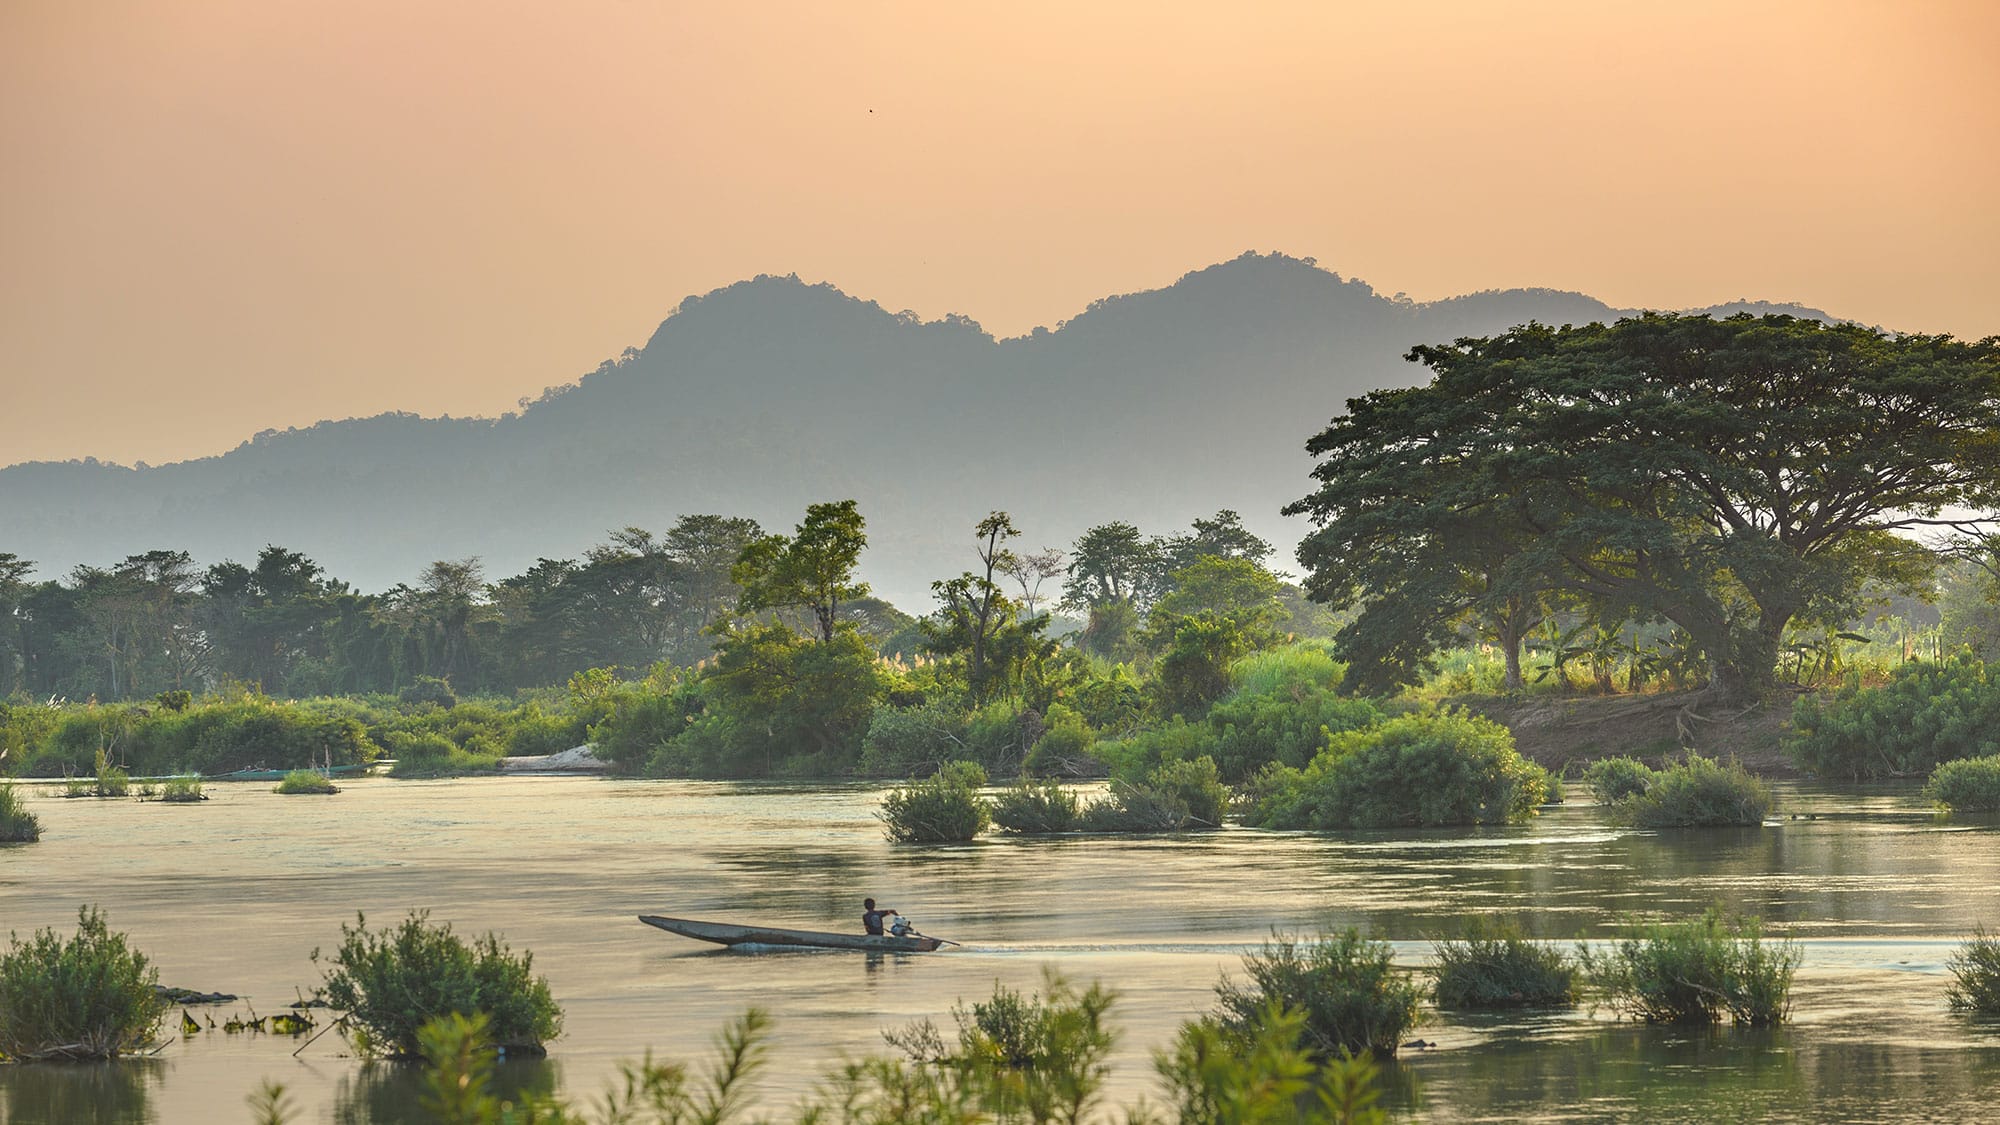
(871, 916)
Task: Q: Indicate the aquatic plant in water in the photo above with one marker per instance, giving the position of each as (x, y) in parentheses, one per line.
(90, 996)
(1494, 965)
(17, 824)
(1697, 971)
(1975, 975)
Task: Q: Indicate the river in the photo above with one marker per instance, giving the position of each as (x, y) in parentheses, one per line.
(235, 893)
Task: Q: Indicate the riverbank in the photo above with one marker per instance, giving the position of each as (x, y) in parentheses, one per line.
(1554, 733)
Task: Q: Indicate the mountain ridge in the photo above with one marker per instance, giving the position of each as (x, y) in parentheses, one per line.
(762, 396)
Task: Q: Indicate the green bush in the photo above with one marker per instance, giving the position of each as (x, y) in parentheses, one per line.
(1975, 976)
(435, 755)
(1174, 797)
(306, 783)
(943, 808)
(1926, 714)
(1030, 808)
(1418, 770)
(182, 790)
(1261, 1075)
(902, 741)
(428, 691)
(1697, 793)
(1065, 745)
(1021, 1057)
(1966, 785)
(390, 983)
(17, 824)
(1347, 988)
(89, 997)
(1697, 971)
(1611, 780)
(1493, 965)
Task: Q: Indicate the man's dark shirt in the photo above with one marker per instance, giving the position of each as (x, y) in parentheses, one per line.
(871, 921)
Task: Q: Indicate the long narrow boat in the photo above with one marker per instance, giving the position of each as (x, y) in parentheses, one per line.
(724, 933)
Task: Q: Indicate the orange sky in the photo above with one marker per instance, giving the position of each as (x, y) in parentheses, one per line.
(218, 216)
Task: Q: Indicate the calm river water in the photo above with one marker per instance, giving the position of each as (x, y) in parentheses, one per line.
(233, 895)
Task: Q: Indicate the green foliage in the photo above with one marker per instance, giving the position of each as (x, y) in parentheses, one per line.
(639, 719)
(1966, 785)
(943, 808)
(1611, 780)
(86, 997)
(1975, 976)
(306, 783)
(428, 691)
(1926, 714)
(182, 790)
(1697, 792)
(1697, 971)
(1494, 965)
(1175, 796)
(906, 740)
(1422, 769)
(1034, 1057)
(785, 704)
(17, 824)
(1261, 1075)
(1031, 808)
(1288, 726)
(434, 755)
(1345, 986)
(391, 983)
(1572, 459)
(1193, 669)
(812, 571)
(1065, 745)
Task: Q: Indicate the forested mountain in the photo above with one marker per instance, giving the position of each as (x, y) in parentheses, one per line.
(758, 398)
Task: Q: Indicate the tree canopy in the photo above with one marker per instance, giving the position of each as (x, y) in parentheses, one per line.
(1729, 476)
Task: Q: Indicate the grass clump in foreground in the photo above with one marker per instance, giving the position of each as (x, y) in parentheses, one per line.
(1966, 785)
(1016, 1059)
(1031, 808)
(1351, 996)
(1493, 965)
(17, 824)
(1697, 793)
(1697, 971)
(182, 790)
(306, 781)
(88, 997)
(391, 982)
(1975, 976)
(943, 808)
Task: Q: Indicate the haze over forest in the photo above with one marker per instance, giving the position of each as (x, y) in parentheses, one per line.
(761, 397)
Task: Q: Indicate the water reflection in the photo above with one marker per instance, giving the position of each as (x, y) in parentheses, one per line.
(118, 1093)
(386, 1093)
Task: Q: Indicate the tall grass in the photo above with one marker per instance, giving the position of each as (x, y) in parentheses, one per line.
(1697, 971)
(306, 782)
(182, 790)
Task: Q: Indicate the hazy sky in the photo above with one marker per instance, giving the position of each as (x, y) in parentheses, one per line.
(218, 216)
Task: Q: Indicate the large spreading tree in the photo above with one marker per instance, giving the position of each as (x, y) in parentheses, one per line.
(1729, 476)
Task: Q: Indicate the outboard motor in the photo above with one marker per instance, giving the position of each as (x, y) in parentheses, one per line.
(901, 927)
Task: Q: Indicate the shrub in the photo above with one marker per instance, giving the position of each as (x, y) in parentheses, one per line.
(1926, 714)
(182, 790)
(1696, 972)
(943, 808)
(17, 824)
(89, 997)
(1493, 965)
(1032, 1057)
(1031, 808)
(1350, 994)
(306, 782)
(1966, 785)
(1174, 797)
(1697, 793)
(434, 755)
(1065, 745)
(1975, 975)
(1259, 1075)
(906, 740)
(390, 983)
(1423, 769)
(1611, 780)
(428, 691)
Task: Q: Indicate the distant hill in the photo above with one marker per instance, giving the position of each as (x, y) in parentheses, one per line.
(761, 397)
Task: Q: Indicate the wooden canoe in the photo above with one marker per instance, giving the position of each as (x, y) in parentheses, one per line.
(724, 933)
